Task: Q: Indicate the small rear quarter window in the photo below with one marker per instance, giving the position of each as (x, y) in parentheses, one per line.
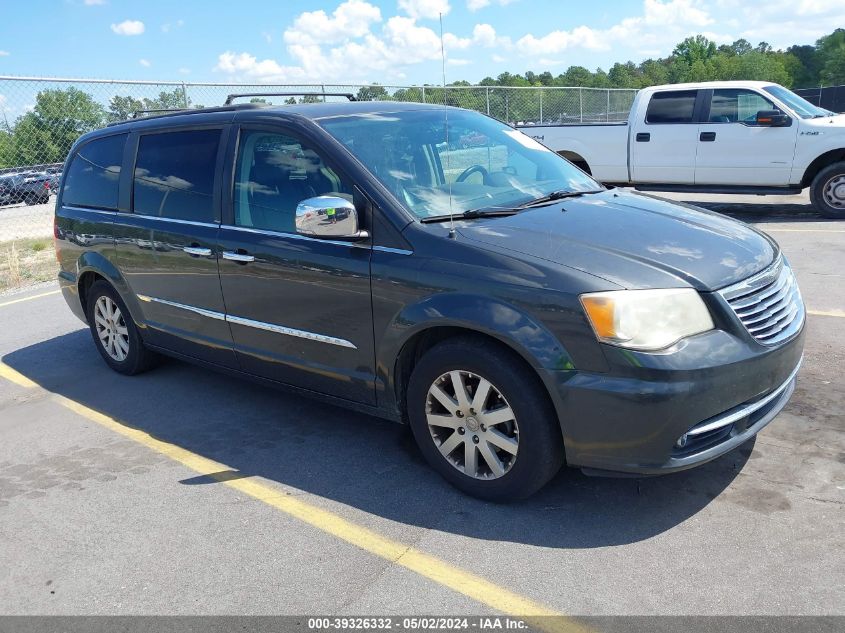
(674, 106)
(92, 179)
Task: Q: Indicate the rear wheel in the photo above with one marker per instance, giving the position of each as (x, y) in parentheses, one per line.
(30, 199)
(827, 192)
(483, 420)
(114, 332)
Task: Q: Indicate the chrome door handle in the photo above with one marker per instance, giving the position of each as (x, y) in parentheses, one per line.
(197, 251)
(238, 257)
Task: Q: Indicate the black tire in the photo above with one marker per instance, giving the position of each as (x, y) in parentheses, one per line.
(817, 191)
(540, 445)
(30, 199)
(137, 357)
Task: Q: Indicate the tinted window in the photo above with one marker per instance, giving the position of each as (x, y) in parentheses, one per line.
(93, 176)
(671, 107)
(276, 172)
(174, 175)
(732, 105)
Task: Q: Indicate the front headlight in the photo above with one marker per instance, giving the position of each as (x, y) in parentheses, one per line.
(646, 319)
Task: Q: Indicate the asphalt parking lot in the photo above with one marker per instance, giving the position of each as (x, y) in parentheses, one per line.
(182, 491)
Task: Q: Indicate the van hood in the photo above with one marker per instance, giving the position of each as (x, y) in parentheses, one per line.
(632, 240)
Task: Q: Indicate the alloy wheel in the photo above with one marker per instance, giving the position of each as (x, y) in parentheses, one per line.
(111, 328)
(472, 424)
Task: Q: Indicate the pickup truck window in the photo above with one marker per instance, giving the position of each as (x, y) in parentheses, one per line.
(174, 175)
(736, 105)
(673, 106)
(94, 173)
(484, 163)
(274, 173)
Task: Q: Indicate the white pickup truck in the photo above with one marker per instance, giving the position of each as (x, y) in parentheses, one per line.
(714, 137)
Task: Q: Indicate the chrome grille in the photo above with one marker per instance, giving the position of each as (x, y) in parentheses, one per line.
(768, 304)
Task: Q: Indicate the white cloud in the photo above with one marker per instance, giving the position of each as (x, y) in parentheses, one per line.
(475, 5)
(350, 20)
(169, 26)
(184, 71)
(483, 35)
(144, 62)
(128, 27)
(456, 61)
(4, 53)
(662, 22)
(782, 23)
(91, 3)
(426, 9)
(353, 43)
(268, 37)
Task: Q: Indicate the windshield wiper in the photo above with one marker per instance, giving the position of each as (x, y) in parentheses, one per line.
(554, 196)
(472, 214)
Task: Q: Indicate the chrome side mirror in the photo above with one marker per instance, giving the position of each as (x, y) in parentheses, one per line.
(329, 217)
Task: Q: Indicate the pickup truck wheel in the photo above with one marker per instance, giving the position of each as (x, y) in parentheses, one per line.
(30, 199)
(483, 420)
(114, 332)
(827, 193)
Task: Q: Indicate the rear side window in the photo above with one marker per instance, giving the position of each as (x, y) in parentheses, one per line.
(174, 175)
(675, 106)
(93, 177)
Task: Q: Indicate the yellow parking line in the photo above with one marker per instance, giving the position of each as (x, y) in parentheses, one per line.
(828, 313)
(30, 297)
(16, 377)
(426, 565)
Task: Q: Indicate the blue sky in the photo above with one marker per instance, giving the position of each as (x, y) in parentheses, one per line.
(386, 41)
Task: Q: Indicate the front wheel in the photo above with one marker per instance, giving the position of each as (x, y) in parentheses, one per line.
(114, 331)
(483, 420)
(827, 192)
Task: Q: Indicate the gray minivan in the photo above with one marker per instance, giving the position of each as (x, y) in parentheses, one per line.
(514, 312)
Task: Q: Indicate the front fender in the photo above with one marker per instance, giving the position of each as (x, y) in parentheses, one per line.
(474, 313)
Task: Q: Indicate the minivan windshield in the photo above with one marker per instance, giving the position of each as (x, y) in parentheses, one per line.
(798, 105)
(478, 161)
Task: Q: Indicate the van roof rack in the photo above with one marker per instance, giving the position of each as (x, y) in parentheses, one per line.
(232, 97)
(158, 114)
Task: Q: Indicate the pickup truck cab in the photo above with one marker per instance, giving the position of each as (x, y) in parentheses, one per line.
(714, 137)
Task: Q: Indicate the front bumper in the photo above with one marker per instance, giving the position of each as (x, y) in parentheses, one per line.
(717, 389)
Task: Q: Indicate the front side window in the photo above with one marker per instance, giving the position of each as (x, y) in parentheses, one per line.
(93, 177)
(735, 105)
(674, 106)
(174, 175)
(273, 174)
(477, 162)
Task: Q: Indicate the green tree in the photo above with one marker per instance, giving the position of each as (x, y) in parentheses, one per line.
(373, 92)
(59, 117)
(806, 73)
(122, 108)
(694, 49)
(831, 52)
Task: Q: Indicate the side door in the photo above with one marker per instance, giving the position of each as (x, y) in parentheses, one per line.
(734, 150)
(299, 307)
(167, 246)
(663, 145)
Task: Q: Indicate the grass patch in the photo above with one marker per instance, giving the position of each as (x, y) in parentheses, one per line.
(26, 262)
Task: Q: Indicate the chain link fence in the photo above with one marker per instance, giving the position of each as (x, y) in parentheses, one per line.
(42, 117)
